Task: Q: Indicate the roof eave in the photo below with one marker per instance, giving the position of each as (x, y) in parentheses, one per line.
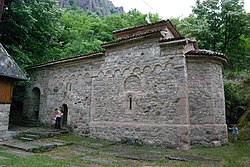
(196, 54)
(69, 59)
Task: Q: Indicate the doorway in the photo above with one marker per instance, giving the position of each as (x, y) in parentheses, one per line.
(65, 114)
(36, 102)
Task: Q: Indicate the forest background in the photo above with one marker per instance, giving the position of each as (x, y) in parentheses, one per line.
(38, 31)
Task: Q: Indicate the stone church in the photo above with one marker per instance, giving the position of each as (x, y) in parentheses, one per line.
(149, 86)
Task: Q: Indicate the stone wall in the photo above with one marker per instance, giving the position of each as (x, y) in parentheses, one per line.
(38, 81)
(4, 120)
(141, 94)
(206, 101)
(69, 84)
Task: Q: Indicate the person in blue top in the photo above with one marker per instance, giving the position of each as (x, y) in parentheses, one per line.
(235, 133)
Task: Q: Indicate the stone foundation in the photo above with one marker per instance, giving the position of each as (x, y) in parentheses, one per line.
(4, 121)
(176, 136)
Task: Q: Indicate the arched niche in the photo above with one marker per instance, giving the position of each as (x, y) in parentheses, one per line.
(133, 83)
(35, 102)
(64, 110)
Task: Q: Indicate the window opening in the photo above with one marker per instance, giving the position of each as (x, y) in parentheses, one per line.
(70, 87)
(130, 103)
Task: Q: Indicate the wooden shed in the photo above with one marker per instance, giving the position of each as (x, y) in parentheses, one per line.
(9, 72)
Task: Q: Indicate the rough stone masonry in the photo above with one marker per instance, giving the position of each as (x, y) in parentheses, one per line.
(150, 86)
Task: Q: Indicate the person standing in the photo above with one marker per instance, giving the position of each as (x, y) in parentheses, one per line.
(235, 133)
(58, 115)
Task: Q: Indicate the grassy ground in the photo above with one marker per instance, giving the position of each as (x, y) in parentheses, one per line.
(94, 153)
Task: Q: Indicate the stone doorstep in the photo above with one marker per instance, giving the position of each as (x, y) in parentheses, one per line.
(34, 146)
(40, 134)
(99, 160)
(134, 156)
(19, 145)
(193, 158)
(26, 139)
(32, 136)
(96, 145)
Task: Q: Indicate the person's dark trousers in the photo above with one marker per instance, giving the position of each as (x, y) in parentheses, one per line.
(58, 123)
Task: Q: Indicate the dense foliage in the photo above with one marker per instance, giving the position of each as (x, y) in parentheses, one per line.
(222, 26)
(30, 29)
(85, 32)
(36, 31)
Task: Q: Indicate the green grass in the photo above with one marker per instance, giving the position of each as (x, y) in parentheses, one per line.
(91, 152)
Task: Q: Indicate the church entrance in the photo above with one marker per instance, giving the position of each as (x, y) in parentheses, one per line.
(36, 102)
(65, 114)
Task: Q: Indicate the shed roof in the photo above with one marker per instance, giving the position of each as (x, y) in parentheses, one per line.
(8, 67)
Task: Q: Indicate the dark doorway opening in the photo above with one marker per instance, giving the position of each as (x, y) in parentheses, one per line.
(65, 114)
(36, 102)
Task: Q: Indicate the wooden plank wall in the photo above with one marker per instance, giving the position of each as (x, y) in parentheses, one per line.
(6, 88)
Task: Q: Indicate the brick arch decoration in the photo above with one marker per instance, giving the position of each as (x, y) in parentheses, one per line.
(66, 78)
(109, 74)
(79, 77)
(126, 71)
(87, 79)
(137, 70)
(117, 73)
(73, 78)
(147, 69)
(157, 69)
(100, 74)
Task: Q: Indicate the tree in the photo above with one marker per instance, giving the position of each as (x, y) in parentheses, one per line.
(30, 28)
(85, 32)
(224, 27)
(36, 31)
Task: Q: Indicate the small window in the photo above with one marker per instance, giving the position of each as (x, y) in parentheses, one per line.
(69, 87)
(130, 103)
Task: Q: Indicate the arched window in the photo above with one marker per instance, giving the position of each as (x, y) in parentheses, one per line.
(36, 93)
